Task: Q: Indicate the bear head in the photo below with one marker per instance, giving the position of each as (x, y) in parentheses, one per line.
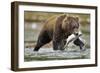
(70, 25)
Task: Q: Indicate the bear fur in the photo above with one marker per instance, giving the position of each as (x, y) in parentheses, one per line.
(57, 29)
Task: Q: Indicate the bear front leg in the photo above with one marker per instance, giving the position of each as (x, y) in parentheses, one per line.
(57, 39)
(59, 45)
(58, 42)
(56, 45)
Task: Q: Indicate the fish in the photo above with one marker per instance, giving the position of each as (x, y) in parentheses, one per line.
(76, 39)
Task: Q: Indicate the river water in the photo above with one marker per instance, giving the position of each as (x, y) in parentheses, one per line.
(50, 54)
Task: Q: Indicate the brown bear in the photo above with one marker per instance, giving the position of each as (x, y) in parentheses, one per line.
(57, 29)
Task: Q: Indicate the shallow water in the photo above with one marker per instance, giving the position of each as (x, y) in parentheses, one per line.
(50, 54)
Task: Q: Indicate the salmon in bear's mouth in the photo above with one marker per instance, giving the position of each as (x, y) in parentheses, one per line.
(76, 39)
